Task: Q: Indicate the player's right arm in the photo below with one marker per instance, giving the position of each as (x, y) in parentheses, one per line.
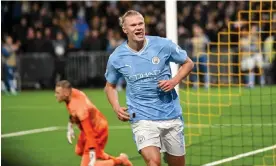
(86, 125)
(112, 76)
(70, 130)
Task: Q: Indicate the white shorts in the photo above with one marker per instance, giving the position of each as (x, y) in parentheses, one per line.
(168, 135)
(249, 63)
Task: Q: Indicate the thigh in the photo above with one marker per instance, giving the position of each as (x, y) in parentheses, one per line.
(101, 142)
(175, 160)
(102, 137)
(172, 137)
(10, 72)
(79, 149)
(146, 133)
(151, 155)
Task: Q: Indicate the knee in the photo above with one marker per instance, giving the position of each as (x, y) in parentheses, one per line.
(153, 162)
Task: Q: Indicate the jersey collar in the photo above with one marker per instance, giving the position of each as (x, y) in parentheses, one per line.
(139, 52)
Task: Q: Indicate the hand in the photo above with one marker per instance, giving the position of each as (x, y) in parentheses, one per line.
(70, 132)
(92, 156)
(122, 113)
(15, 47)
(167, 85)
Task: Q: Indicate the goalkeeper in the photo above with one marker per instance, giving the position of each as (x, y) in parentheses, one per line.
(93, 126)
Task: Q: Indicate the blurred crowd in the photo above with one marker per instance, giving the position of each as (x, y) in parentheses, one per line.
(86, 25)
(93, 25)
(64, 26)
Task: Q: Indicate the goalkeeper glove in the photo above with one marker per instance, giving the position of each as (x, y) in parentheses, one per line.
(92, 156)
(70, 132)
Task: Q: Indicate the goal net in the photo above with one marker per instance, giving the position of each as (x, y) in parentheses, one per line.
(231, 120)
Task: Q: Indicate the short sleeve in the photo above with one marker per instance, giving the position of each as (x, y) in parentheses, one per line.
(112, 74)
(177, 54)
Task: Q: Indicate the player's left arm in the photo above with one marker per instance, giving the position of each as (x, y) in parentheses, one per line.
(179, 56)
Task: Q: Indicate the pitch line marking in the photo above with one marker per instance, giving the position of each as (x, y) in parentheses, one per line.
(26, 132)
(240, 156)
(122, 127)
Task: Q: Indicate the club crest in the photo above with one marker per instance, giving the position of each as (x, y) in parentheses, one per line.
(155, 60)
(140, 139)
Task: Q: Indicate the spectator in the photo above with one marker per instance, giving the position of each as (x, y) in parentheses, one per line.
(60, 50)
(48, 47)
(55, 26)
(34, 14)
(20, 30)
(114, 40)
(39, 42)
(9, 61)
(81, 27)
(251, 56)
(44, 17)
(269, 55)
(30, 41)
(92, 41)
(74, 39)
(199, 46)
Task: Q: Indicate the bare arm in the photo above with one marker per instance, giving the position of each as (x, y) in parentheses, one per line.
(112, 96)
(183, 72)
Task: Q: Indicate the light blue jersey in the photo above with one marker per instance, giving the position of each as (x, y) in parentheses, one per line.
(142, 70)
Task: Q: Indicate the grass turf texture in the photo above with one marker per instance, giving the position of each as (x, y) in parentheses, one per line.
(226, 127)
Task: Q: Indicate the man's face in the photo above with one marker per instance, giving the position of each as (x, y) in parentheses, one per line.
(197, 30)
(254, 29)
(244, 32)
(134, 27)
(9, 40)
(61, 94)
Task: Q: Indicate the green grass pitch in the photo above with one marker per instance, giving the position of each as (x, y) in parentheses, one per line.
(247, 124)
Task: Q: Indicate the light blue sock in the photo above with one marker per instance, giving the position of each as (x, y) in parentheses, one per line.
(194, 81)
(3, 87)
(262, 79)
(251, 79)
(12, 84)
(206, 80)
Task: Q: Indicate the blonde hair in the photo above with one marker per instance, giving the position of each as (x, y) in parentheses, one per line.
(64, 84)
(128, 13)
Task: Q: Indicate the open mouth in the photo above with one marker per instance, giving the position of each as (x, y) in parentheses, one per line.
(139, 34)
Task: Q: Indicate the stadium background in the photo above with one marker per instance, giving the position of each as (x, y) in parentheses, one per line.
(72, 40)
